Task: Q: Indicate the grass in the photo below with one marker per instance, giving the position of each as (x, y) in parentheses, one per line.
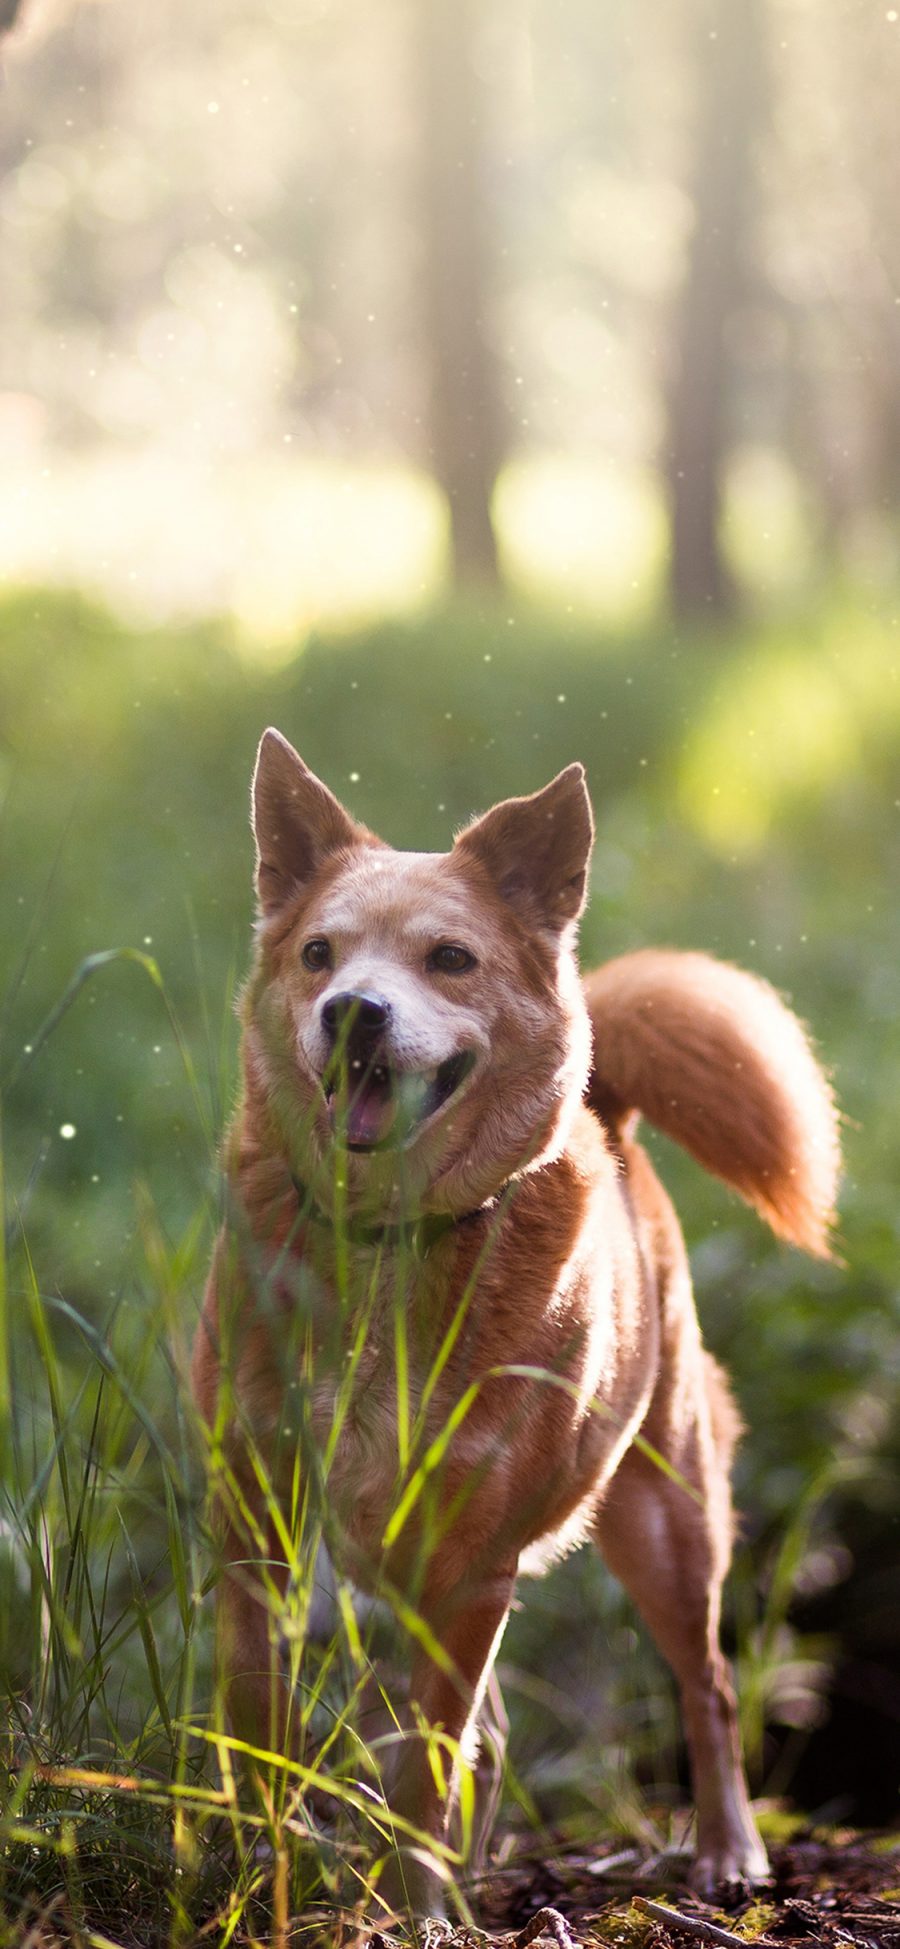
(128, 1814)
(123, 1814)
(128, 1810)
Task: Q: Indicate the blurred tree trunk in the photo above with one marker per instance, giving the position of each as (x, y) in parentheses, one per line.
(870, 80)
(464, 410)
(728, 62)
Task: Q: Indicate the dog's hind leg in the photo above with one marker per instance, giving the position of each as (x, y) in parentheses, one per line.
(669, 1543)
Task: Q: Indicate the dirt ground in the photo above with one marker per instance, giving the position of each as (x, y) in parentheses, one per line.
(840, 1889)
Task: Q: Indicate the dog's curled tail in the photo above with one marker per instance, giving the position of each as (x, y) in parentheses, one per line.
(712, 1056)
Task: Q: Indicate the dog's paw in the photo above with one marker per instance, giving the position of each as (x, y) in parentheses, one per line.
(410, 1887)
(730, 1873)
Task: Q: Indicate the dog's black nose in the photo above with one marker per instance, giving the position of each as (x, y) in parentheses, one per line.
(357, 1015)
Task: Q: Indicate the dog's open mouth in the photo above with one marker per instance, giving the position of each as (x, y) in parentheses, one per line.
(373, 1106)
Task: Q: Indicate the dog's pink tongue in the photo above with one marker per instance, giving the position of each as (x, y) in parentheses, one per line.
(370, 1112)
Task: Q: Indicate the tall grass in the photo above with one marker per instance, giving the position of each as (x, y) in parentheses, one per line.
(105, 1584)
(129, 1807)
(131, 1810)
(126, 1814)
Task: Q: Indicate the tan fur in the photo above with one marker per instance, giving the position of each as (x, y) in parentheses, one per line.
(712, 1057)
(580, 1329)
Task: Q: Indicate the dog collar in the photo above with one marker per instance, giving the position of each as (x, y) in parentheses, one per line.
(418, 1235)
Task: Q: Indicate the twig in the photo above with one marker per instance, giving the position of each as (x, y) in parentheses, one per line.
(693, 1925)
(609, 1862)
(547, 1921)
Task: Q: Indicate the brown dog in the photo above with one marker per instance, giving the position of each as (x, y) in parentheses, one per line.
(424, 1144)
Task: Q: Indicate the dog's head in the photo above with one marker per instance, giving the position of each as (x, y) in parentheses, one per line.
(415, 1020)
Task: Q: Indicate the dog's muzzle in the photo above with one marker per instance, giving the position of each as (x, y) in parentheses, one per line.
(374, 1103)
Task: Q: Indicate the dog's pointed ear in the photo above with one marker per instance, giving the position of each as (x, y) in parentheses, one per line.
(297, 822)
(537, 849)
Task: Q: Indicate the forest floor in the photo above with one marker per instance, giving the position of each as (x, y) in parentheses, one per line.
(830, 1889)
(826, 1892)
(836, 1889)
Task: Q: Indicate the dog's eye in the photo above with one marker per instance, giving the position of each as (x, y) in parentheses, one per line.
(316, 955)
(450, 959)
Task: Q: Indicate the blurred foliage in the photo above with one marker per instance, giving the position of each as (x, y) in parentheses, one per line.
(126, 759)
(214, 333)
(217, 384)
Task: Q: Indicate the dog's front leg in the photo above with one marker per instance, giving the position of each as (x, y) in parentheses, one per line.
(445, 1698)
(249, 1601)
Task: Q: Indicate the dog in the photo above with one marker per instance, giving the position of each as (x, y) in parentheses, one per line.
(436, 1134)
